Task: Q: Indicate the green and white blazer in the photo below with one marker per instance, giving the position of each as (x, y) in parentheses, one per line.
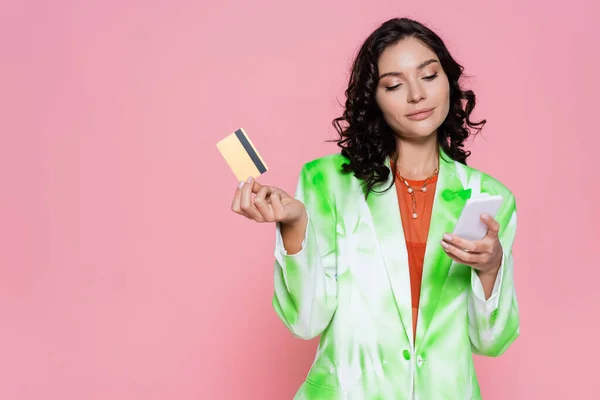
(350, 284)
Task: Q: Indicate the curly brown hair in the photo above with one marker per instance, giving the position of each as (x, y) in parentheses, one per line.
(365, 138)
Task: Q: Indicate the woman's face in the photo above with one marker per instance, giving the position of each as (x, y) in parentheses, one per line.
(411, 79)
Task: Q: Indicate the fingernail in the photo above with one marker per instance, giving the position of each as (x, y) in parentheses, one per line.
(444, 244)
(485, 216)
(241, 184)
(447, 237)
(249, 179)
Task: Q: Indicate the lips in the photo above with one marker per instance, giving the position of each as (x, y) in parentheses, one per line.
(424, 110)
(420, 114)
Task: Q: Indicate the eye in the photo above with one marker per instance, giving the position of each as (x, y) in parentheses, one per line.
(391, 88)
(431, 77)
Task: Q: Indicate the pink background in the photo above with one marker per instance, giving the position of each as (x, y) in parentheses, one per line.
(123, 273)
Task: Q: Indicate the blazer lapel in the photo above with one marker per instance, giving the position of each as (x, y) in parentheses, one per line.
(449, 200)
(385, 213)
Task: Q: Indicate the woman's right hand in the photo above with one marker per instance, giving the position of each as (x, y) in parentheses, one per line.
(270, 204)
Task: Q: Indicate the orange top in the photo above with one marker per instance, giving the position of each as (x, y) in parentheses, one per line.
(415, 231)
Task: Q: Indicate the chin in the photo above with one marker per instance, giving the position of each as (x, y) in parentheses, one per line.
(420, 132)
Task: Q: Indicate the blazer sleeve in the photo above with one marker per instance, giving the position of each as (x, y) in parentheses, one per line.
(494, 323)
(305, 283)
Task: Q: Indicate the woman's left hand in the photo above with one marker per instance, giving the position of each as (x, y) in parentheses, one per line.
(484, 255)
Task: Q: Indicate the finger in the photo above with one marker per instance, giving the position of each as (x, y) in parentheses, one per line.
(256, 187)
(459, 261)
(247, 204)
(278, 210)
(251, 212)
(463, 257)
(470, 246)
(492, 224)
(262, 205)
(237, 199)
(246, 195)
(453, 257)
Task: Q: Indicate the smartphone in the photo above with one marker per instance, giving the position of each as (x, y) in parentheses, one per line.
(469, 225)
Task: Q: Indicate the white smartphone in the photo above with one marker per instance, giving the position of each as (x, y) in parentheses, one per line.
(469, 225)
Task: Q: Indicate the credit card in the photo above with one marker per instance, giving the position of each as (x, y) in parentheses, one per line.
(241, 155)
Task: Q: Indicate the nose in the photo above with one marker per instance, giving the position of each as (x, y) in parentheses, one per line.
(416, 92)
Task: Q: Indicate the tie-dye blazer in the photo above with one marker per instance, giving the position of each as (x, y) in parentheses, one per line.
(350, 285)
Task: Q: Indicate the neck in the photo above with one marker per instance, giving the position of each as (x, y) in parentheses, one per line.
(417, 159)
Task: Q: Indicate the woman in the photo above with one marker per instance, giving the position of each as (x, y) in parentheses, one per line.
(364, 255)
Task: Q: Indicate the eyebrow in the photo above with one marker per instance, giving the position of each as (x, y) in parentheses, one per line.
(419, 67)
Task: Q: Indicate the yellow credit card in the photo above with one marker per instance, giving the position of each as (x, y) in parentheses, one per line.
(241, 155)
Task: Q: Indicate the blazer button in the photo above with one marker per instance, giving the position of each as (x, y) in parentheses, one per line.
(406, 354)
(419, 361)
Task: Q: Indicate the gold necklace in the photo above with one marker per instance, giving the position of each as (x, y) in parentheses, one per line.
(412, 191)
